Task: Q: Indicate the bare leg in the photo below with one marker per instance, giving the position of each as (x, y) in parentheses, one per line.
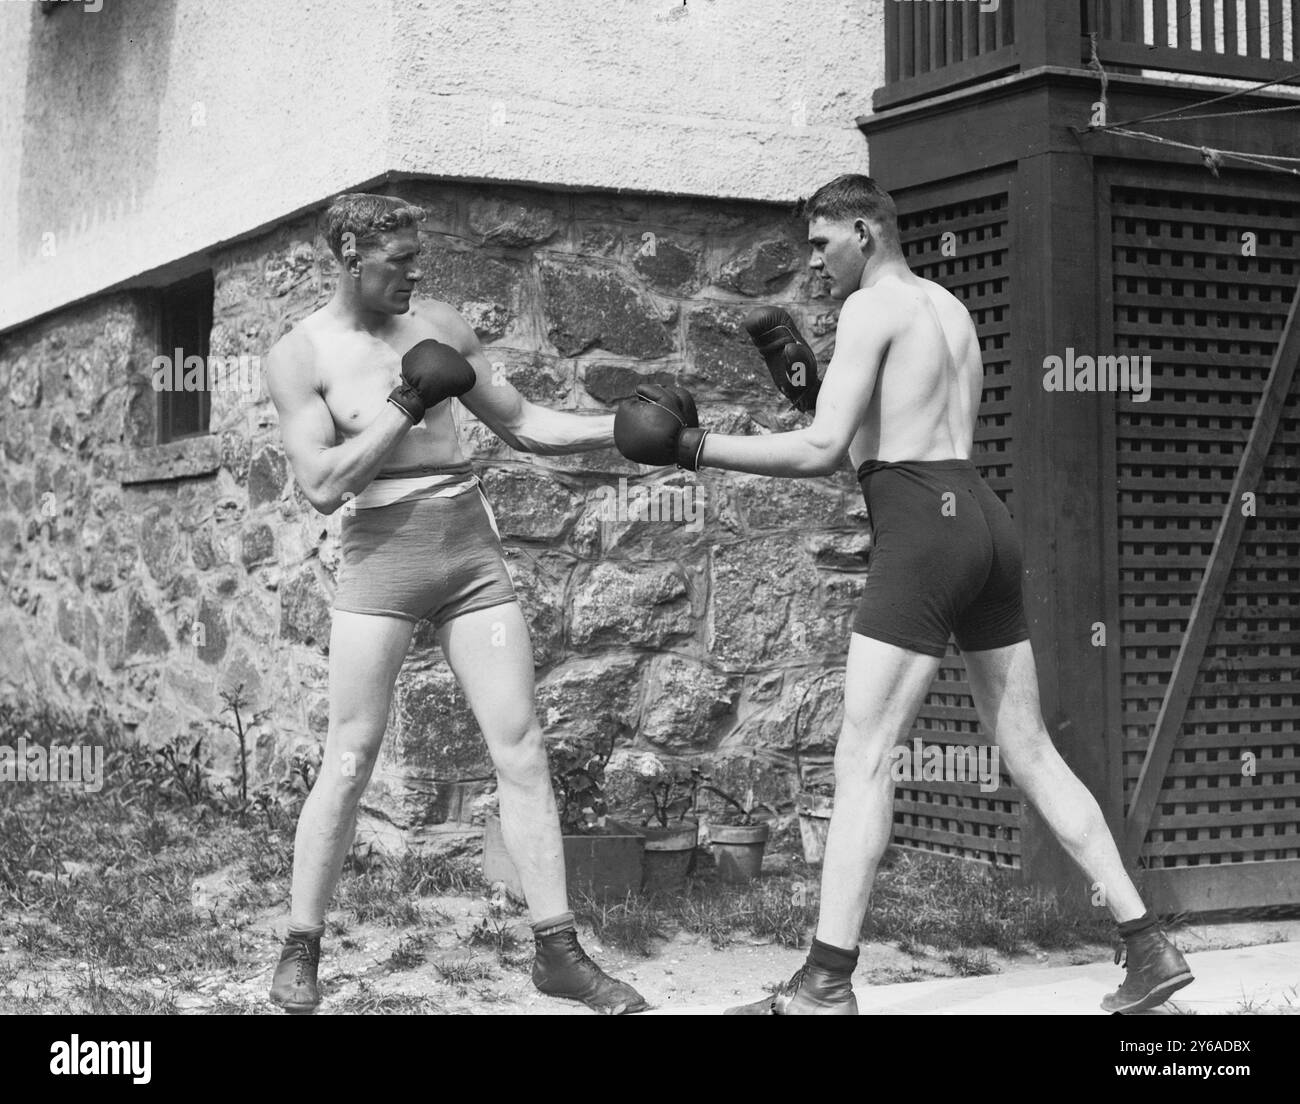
(1004, 683)
(883, 688)
(365, 655)
(491, 655)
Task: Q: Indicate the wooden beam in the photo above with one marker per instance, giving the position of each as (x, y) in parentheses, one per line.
(923, 63)
(1209, 596)
(1160, 23)
(1209, 33)
(1254, 28)
(1275, 29)
(906, 44)
(939, 19)
(970, 31)
(892, 41)
(1183, 20)
(1230, 31)
(1213, 887)
(1195, 61)
(1006, 16)
(955, 54)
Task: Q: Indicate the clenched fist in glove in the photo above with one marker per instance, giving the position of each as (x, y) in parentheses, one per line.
(788, 356)
(660, 426)
(431, 372)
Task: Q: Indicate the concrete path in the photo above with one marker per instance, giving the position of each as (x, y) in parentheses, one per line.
(1242, 980)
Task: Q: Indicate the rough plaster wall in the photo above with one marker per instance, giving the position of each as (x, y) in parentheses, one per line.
(101, 147)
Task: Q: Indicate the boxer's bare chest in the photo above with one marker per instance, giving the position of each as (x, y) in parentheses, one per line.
(356, 372)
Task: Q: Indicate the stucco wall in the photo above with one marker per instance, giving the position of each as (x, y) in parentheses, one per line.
(149, 132)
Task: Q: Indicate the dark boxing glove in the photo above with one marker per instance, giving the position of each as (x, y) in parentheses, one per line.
(659, 426)
(788, 356)
(431, 372)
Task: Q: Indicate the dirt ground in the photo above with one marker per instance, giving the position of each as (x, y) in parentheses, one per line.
(427, 968)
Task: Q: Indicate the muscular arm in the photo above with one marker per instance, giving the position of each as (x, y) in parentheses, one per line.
(325, 471)
(524, 426)
(863, 339)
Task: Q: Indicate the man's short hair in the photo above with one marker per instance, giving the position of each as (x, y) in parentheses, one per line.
(365, 217)
(853, 196)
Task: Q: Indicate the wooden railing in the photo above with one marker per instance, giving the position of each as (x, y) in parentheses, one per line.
(934, 46)
(1209, 37)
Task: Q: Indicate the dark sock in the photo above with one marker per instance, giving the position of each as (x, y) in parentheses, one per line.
(834, 959)
(563, 922)
(1145, 922)
(307, 933)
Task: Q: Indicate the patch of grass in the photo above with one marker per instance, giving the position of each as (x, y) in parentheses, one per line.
(969, 963)
(782, 912)
(225, 1006)
(630, 925)
(709, 916)
(112, 877)
(376, 898)
(408, 954)
(367, 1001)
(440, 875)
(463, 974)
(495, 932)
(96, 997)
(950, 905)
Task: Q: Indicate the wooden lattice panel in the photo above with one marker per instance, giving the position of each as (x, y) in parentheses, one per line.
(956, 818)
(1210, 317)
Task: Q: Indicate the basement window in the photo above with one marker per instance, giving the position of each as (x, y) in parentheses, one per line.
(181, 371)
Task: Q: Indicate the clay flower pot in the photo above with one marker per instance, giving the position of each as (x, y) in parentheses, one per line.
(738, 850)
(605, 864)
(814, 822)
(669, 855)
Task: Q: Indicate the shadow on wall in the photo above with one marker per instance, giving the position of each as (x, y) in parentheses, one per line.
(95, 83)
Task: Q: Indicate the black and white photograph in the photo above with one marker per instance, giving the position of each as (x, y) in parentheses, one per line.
(651, 508)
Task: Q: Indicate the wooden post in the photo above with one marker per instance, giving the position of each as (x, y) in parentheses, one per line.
(1048, 32)
(1061, 509)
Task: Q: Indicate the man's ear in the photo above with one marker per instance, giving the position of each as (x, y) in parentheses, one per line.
(866, 238)
(351, 258)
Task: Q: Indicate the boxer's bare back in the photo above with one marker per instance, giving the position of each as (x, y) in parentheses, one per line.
(927, 389)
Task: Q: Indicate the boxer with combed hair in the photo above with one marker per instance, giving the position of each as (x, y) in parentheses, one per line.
(362, 389)
(900, 398)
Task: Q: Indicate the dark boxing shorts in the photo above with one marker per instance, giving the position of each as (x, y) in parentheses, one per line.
(945, 559)
(429, 557)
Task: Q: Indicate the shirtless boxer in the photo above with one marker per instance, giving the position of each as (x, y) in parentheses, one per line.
(361, 388)
(900, 398)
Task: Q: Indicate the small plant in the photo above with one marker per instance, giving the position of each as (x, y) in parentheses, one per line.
(631, 925)
(578, 778)
(736, 811)
(235, 701)
(494, 930)
(661, 793)
(408, 953)
(180, 773)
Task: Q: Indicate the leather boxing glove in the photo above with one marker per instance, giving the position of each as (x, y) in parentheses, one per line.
(789, 358)
(659, 426)
(431, 372)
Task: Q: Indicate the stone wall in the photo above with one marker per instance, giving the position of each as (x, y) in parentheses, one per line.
(685, 638)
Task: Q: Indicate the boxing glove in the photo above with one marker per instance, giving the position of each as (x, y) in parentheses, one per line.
(789, 358)
(659, 426)
(431, 372)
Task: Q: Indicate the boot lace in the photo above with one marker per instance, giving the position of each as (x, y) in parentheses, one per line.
(308, 955)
